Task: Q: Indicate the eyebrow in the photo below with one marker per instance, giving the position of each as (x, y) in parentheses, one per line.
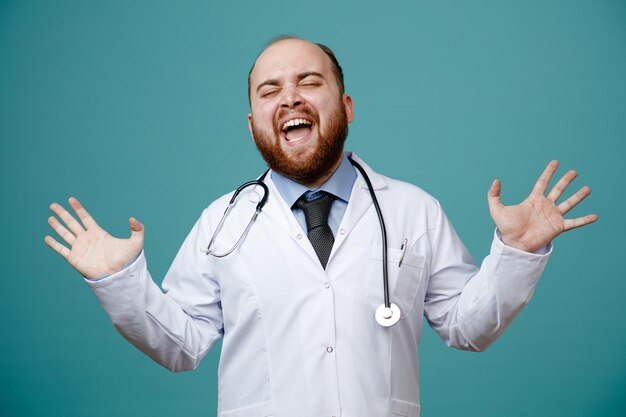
(299, 77)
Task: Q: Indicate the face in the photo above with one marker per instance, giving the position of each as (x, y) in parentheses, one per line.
(299, 118)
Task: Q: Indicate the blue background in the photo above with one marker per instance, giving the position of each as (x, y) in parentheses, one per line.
(139, 109)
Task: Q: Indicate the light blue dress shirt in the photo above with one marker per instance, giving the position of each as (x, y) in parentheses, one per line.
(339, 184)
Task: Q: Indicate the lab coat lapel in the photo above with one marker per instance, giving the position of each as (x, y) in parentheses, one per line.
(360, 201)
(281, 215)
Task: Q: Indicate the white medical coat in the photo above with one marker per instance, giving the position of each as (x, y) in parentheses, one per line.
(301, 341)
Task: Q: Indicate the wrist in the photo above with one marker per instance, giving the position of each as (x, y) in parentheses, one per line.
(518, 242)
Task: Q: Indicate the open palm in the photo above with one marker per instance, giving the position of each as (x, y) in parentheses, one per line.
(92, 251)
(538, 219)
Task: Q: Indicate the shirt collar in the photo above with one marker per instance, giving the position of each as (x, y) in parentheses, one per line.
(339, 184)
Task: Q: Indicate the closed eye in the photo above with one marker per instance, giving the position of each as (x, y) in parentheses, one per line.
(268, 93)
(311, 84)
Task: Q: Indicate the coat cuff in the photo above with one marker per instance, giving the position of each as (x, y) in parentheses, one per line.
(128, 269)
(543, 251)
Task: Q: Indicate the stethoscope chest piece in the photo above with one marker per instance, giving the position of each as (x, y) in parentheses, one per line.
(387, 316)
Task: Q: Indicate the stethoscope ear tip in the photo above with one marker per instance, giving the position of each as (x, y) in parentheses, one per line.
(387, 316)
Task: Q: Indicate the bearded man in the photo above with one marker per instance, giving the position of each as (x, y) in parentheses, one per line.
(294, 301)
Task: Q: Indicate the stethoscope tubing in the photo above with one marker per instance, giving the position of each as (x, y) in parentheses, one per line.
(388, 313)
(383, 230)
(231, 203)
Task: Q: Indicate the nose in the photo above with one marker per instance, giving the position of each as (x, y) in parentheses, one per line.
(291, 97)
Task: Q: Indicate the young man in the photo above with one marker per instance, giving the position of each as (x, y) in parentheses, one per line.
(295, 300)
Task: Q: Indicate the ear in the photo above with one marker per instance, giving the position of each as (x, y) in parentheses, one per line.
(348, 105)
(250, 124)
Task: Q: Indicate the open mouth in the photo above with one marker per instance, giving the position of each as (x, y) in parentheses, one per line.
(296, 130)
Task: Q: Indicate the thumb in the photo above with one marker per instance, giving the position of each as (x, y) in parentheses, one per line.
(136, 229)
(493, 195)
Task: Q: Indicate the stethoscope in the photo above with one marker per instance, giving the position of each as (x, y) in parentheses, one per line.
(388, 313)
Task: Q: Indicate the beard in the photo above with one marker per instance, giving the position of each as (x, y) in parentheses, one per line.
(306, 165)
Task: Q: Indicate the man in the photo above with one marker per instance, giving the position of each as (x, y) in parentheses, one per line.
(297, 314)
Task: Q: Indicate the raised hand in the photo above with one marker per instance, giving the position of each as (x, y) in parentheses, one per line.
(93, 252)
(538, 219)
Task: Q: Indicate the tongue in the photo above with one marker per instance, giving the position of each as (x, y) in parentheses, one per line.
(297, 132)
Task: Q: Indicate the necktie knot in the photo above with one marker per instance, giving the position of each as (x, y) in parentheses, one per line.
(316, 214)
(315, 211)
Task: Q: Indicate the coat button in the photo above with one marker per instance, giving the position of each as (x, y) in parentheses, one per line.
(329, 349)
(327, 285)
(299, 236)
(342, 231)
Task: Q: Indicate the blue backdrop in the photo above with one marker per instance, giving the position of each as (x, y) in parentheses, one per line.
(139, 109)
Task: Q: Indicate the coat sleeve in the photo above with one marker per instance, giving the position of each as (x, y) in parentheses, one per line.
(175, 326)
(470, 307)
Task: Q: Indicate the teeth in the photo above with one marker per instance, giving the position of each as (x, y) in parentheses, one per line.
(296, 122)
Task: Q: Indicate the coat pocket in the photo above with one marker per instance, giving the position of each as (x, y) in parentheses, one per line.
(404, 278)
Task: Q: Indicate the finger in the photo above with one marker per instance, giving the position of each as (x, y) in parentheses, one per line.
(65, 234)
(136, 230)
(571, 202)
(82, 214)
(557, 191)
(579, 222)
(542, 183)
(57, 247)
(67, 218)
(493, 195)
